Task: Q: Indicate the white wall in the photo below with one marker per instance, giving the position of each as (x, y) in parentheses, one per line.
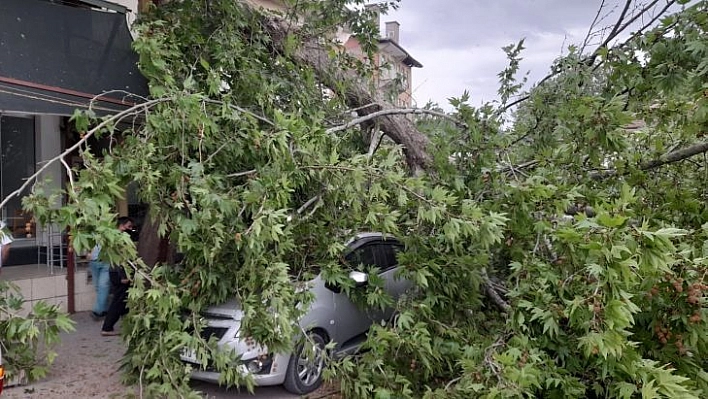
(132, 6)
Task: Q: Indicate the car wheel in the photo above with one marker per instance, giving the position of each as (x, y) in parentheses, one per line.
(304, 373)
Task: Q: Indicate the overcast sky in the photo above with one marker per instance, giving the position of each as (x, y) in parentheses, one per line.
(459, 41)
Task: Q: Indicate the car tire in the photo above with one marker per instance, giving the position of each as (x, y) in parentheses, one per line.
(304, 374)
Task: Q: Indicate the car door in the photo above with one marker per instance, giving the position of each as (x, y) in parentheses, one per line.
(381, 254)
(352, 320)
(388, 264)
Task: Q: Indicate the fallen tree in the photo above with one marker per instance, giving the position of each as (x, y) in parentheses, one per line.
(247, 175)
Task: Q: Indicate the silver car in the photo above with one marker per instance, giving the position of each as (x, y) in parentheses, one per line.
(332, 317)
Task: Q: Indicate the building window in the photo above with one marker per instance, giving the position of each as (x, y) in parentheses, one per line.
(17, 162)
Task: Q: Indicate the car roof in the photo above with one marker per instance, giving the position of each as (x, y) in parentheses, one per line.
(365, 237)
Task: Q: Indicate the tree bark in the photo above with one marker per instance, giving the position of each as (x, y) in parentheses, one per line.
(671, 157)
(358, 95)
(150, 242)
(677, 155)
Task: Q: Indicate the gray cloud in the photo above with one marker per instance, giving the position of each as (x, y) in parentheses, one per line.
(448, 72)
(459, 41)
(453, 23)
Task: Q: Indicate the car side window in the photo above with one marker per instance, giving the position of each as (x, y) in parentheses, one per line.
(387, 255)
(362, 256)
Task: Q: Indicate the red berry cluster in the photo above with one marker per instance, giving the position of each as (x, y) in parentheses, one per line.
(665, 335)
(653, 292)
(678, 284)
(695, 293)
(695, 317)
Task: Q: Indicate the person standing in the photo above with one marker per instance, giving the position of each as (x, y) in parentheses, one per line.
(100, 273)
(5, 241)
(120, 284)
(101, 283)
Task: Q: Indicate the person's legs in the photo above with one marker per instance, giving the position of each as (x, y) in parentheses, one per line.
(116, 310)
(102, 284)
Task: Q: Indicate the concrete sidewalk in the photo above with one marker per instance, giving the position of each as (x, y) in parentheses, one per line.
(87, 367)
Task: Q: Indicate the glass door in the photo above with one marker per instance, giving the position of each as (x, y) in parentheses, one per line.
(17, 162)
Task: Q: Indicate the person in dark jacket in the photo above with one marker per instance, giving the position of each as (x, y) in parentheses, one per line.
(119, 285)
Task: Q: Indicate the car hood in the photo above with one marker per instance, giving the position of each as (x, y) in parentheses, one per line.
(230, 309)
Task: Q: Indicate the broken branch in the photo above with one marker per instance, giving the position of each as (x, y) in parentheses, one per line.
(393, 111)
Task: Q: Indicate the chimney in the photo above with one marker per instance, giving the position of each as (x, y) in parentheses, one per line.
(392, 28)
(375, 9)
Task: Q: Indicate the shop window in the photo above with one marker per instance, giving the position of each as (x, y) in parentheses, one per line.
(17, 162)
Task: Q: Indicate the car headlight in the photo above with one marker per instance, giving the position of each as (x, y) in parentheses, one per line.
(259, 365)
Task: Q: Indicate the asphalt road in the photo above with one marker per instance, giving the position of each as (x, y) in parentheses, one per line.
(211, 391)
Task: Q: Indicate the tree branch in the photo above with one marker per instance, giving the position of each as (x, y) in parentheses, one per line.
(591, 58)
(621, 28)
(376, 139)
(356, 92)
(307, 204)
(671, 157)
(239, 109)
(134, 110)
(527, 96)
(493, 294)
(69, 172)
(393, 111)
(678, 155)
(244, 173)
(521, 166)
(106, 122)
(592, 26)
(616, 31)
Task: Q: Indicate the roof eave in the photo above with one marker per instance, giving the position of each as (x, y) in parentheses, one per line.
(407, 59)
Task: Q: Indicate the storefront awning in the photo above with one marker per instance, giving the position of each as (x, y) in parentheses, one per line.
(56, 57)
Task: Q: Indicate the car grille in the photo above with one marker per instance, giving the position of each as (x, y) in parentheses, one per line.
(216, 332)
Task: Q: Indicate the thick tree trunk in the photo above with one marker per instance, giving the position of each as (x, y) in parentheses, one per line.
(359, 96)
(150, 242)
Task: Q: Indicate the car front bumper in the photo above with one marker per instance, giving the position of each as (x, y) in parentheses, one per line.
(227, 332)
(275, 376)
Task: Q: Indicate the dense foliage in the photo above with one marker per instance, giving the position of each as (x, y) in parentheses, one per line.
(235, 161)
(29, 333)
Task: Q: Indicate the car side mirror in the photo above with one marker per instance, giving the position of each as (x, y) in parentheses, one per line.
(360, 279)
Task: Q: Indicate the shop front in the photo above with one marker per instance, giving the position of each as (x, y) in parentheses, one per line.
(55, 57)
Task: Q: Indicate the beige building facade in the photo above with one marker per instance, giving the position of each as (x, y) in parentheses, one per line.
(394, 65)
